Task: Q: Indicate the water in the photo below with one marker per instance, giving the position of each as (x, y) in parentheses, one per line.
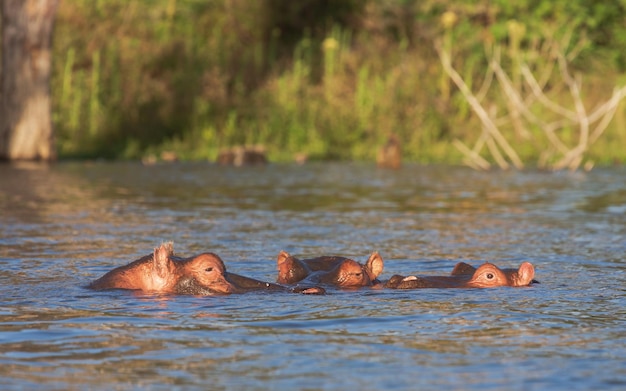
(66, 225)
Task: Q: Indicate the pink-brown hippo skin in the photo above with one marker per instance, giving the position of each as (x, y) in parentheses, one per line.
(329, 270)
(292, 270)
(463, 268)
(191, 286)
(161, 272)
(487, 275)
(203, 274)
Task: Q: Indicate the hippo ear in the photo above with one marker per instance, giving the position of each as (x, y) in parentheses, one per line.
(374, 265)
(169, 247)
(462, 268)
(161, 259)
(525, 274)
(282, 257)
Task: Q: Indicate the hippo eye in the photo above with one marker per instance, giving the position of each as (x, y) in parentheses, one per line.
(490, 276)
(208, 269)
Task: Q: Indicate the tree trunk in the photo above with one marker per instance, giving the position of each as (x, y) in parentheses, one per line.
(25, 120)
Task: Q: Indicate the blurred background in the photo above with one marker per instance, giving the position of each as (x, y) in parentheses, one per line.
(319, 79)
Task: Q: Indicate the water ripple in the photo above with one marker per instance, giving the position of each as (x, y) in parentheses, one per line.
(66, 225)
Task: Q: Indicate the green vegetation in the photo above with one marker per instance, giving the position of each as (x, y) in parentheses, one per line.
(330, 79)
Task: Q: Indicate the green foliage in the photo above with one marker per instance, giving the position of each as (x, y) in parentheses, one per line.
(329, 79)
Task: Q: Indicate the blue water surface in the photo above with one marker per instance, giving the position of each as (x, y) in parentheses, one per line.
(64, 225)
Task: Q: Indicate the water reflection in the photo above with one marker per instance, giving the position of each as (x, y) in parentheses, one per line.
(64, 225)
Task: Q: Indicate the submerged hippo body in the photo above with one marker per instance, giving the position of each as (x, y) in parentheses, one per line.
(329, 270)
(466, 276)
(203, 274)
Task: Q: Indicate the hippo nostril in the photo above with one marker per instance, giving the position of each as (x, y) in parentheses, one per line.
(208, 269)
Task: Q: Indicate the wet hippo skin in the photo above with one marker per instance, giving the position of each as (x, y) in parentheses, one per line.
(329, 270)
(466, 276)
(203, 274)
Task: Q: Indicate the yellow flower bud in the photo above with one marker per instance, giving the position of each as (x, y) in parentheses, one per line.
(330, 44)
(448, 19)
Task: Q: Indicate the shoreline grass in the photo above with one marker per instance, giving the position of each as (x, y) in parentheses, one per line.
(194, 77)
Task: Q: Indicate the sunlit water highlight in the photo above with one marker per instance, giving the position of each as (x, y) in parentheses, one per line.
(65, 225)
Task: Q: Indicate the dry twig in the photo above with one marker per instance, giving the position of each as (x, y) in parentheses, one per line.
(519, 107)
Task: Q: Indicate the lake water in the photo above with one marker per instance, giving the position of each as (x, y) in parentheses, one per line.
(65, 225)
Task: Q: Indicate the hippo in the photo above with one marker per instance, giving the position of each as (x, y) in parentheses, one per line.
(463, 268)
(329, 270)
(203, 274)
(466, 276)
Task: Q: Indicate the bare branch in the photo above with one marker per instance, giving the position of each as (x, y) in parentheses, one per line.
(573, 158)
(537, 91)
(581, 112)
(479, 110)
(473, 159)
(510, 91)
(549, 131)
(491, 145)
(613, 103)
(484, 88)
(497, 156)
(617, 96)
(590, 125)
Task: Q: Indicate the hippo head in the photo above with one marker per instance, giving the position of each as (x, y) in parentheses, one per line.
(332, 270)
(489, 275)
(350, 273)
(203, 274)
(290, 269)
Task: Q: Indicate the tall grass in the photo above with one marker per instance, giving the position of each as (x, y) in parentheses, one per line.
(138, 77)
